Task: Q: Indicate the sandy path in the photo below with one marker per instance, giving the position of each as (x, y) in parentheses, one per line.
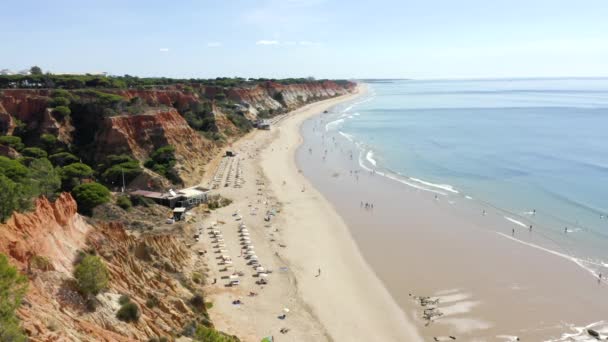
(346, 302)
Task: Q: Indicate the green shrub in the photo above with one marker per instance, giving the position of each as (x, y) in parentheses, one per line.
(115, 173)
(49, 142)
(162, 162)
(73, 174)
(41, 263)
(140, 200)
(62, 93)
(13, 169)
(207, 334)
(34, 152)
(198, 302)
(12, 141)
(129, 312)
(91, 275)
(13, 286)
(124, 202)
(63, 158)
(240, 122)
(124, 299)
(44, 177)
(152, 301)
(62, 111)
(59, 101)
(90, 195)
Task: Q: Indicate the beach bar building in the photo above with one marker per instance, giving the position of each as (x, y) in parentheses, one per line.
(185, 198)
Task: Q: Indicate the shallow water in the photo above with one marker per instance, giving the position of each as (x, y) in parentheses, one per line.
(518, 145)
(453, 204)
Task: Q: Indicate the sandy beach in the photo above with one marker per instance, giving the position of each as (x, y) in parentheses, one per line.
(319, 287)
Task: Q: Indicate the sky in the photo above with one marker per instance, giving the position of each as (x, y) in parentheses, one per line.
(423, 39)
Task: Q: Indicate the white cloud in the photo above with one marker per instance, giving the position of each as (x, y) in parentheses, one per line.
(290, 43)
(214, 44)
(164, 49)
(267, 42)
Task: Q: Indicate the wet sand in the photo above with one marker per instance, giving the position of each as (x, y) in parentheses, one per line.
(492, 285)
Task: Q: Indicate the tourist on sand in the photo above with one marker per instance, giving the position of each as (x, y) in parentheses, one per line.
(318, 273)
(513, 231)
(530, 227)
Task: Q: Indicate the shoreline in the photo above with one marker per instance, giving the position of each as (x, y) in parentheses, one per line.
(319, 273)
(491, 287)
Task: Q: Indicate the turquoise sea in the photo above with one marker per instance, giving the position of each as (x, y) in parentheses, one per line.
(535, 150)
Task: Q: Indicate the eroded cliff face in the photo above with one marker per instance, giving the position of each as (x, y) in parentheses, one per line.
(139, 135)
(30, 107)
(266, 96)
(159, 119)
(43, 244)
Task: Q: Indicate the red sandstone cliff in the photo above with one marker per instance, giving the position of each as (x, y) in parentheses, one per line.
(160, 120)
(31, 108)
(139, 135)
(54, 311)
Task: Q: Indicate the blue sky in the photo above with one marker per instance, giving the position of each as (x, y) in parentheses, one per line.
(321, 38)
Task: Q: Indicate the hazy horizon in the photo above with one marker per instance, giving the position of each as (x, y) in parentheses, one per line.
(321, 38)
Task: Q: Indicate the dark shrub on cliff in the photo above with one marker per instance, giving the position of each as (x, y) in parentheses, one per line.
(90, 195)
(129, 312)
(62, 111)
(12, 141)
(240, 122)
(59, 101)
(63, 158)
(116, 167)
(162, 162)
(13, 286)
(34, 152)
(73, 174)
(91, 275)
(124, 202)
(45, 177)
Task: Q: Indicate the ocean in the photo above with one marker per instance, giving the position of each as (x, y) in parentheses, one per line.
(489, 195)
(534, 149)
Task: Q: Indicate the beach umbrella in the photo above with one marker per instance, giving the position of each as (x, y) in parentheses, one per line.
(260, 269)
(267, 339)
(285, 310)
(263, 275)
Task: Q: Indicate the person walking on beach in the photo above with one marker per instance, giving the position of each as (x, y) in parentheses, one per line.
(530, 227)
(513, 232)
(318, 273)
